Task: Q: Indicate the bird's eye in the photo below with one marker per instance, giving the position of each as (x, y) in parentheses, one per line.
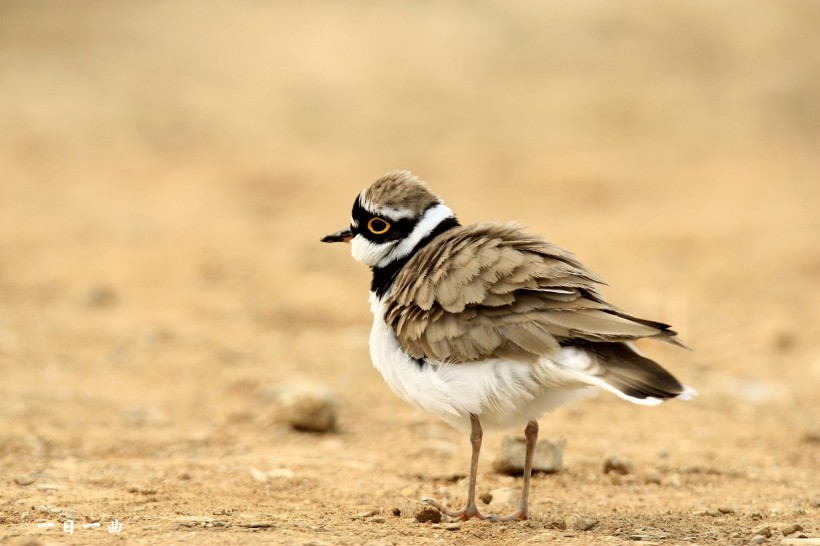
(377, 226)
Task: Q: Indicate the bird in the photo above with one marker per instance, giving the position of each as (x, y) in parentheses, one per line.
(486, 325)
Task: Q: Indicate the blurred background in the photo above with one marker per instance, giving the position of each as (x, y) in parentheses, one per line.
(167, 169)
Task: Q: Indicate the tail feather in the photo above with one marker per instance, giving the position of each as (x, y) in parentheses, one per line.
(636, 377)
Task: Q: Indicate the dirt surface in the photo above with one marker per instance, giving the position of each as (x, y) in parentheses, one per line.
(166, 172)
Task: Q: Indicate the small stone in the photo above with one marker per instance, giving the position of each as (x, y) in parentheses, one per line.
(363, 515)
(812, 436)
(257, 524)
(142, 490)
(577, 522)
(377, 519)
(791, 528)
(758, 539)
(308, 408)
(258, 475)
(452, 526)
(24, 479)
(194, 521)
(48, 487)
(280, 474)
(764, 530)
(654, 477)
(812, 541)
(726, 510)
(99, 296)
(547, 458)
(503, 496)
(427, 513)
(618, 465)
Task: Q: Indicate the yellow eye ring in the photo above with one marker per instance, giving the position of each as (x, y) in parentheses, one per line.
(378, 226)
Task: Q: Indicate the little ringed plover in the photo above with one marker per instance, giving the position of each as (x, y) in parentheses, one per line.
(486, 325)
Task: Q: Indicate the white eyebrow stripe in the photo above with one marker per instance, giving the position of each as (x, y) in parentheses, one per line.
(354, 223)
(389, 212)
(429, 221)
(396, 214)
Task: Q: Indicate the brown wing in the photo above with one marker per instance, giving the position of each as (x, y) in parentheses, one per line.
(493, 291)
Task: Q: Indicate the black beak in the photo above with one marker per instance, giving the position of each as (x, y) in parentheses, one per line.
(343, 236)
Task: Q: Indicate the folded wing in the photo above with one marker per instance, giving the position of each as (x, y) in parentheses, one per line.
(493, 291)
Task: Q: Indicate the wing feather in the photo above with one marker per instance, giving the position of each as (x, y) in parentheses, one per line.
(493, 291)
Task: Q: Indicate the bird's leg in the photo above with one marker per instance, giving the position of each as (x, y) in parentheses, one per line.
(531, 434)
(470, 511)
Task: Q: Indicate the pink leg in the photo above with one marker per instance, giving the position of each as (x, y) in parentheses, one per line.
(470, 511)
(531, 434)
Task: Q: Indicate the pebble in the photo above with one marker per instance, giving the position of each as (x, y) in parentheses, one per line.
(577, 522)
(197, 521)
(99, 296)
(758, 539)
(801, 541)
(309, 408)
(62, 513)
(377, 519)
(280, 473)
(504, 496)
(427, 513)
(649, 533)
(791, 528)
(619, 465)
(654, 477)
(258, 475)
(764, 530)
(452, 526)
(142, 490)
(363, 515)
(548, 457)
(24, 479)
(257, 525)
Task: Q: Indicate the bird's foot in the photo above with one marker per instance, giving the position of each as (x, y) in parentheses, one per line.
(469, 512)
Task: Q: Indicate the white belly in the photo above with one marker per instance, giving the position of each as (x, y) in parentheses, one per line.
(502, 393)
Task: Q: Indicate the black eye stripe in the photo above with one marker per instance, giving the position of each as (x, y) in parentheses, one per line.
(399, 229)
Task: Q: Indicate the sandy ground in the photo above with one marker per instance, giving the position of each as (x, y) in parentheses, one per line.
(166, 172)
